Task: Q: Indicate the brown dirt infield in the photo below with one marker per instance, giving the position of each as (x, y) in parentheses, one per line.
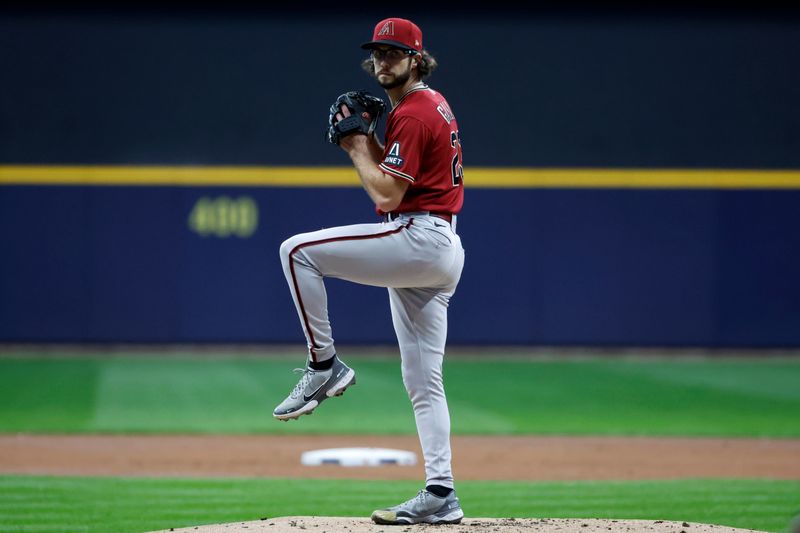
(474, 457)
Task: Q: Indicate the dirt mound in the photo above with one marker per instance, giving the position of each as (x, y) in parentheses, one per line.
(328, 524)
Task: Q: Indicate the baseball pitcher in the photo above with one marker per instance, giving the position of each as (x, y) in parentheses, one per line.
(416, 182)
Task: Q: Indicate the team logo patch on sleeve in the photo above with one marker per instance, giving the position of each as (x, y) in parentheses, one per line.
(393, 157)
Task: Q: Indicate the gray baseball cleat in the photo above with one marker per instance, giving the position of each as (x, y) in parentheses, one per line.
(425, 507)
(314, 387)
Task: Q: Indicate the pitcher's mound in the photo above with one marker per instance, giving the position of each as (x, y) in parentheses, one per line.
(329, 524)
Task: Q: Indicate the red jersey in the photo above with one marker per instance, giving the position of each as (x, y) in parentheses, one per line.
(422, 147)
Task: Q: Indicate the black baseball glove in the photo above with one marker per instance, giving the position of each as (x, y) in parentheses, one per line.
(365, 110)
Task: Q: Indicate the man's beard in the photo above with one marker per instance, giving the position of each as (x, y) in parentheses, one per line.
(398, 81)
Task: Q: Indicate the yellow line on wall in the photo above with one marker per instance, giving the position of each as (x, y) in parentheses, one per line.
(189, 176)
(639, 178)
(483, 177)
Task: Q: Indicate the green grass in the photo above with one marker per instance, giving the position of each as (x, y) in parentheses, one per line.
(613, 396)
(134, 505)
(144, 393)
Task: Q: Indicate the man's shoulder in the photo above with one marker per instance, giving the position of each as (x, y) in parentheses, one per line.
(424, 96)
(423, 105)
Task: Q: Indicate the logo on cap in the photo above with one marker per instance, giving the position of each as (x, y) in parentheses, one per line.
(387, 29)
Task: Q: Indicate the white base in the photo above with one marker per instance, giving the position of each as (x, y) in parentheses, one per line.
(358, 457)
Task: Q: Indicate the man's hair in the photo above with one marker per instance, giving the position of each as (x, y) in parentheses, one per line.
(426, 65)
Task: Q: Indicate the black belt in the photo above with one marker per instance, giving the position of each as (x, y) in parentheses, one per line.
(448, 217)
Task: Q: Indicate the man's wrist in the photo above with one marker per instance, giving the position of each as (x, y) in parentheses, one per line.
(359, 142)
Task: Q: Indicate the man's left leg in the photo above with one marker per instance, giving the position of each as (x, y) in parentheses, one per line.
(420, 321)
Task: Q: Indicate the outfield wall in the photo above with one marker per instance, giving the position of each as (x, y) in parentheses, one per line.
(544, 266)
(561, 258)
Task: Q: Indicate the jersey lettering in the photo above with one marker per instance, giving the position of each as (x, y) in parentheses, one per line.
(456, 167)
(444, 110)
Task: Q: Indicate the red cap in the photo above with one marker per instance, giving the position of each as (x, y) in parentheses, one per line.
(400, 33)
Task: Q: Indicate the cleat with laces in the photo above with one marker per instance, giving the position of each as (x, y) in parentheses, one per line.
(314, 387)
(425, 507)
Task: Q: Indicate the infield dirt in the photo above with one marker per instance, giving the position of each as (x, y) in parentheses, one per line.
(474, 457)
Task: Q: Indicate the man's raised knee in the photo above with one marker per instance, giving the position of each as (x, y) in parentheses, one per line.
(286, 248)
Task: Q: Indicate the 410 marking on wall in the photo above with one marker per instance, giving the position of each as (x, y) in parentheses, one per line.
(224, 217)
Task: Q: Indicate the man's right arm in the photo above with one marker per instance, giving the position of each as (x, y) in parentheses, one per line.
(366, 152)
(375, 148)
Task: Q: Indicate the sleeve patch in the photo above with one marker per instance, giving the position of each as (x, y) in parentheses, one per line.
(393, 157)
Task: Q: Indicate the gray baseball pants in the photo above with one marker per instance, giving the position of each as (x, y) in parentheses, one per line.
(419, 258)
